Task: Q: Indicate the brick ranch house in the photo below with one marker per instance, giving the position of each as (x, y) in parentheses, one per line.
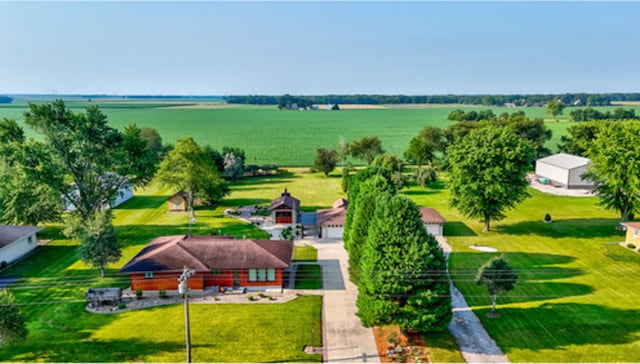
(218, 261)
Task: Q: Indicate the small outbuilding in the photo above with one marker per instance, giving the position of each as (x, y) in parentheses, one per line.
(285, 209)
(564, 170)
(432, 221)
(331, 221)
(178, 202)
(17, 241)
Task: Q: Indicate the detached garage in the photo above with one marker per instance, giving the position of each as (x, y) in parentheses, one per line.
(331, 221)
(563, 169)
(432, 221)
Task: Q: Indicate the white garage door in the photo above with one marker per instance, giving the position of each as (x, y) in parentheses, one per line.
(334, 232)
(434, 229)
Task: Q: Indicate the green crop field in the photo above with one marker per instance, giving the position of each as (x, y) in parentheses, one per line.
(284, 138)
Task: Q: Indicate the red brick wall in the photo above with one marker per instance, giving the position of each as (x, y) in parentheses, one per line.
(169, 281)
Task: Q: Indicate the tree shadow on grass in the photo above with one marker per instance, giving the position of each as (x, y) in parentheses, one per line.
(457, 228)
(574, 228)
(566, 324)
(538, 277)
(88, 350)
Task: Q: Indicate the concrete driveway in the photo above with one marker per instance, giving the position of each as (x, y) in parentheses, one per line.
(344, 338)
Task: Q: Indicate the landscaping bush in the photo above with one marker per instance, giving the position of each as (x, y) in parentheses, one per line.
(631, 246)
(122, 306)
(139, 294)
(547, 217)
(162, 293)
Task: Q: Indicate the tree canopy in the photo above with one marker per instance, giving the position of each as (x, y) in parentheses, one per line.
(615, 162)
(87, 160)
(99, 242)
(326, 160)
(498, 277)
(12, 321)
(554, 107)
(366, 148)
(488, 169)
(189, 168)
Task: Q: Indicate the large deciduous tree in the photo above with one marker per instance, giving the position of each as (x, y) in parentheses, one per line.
(488, 169)
(89, 160)
(554, 108)
(233, 167)
(498, 277)
(366, 148)
(12, 322)
(403, 278)
(615, 162)
(99, 242)
(326, 160)
(189, 168)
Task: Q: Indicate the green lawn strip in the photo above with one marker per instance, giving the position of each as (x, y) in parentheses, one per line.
(308, 276)
(442, 347)
(305, 253)
(219, 332)
(575, 300)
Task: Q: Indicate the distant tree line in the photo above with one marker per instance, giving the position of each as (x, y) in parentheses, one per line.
(589, 114)
(573, 99)
(5, 99)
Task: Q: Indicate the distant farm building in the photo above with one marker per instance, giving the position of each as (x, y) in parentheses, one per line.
(563, 170)
(285, 209)
(331, 221)
(432, 221)
(218, 261)
(17, 241)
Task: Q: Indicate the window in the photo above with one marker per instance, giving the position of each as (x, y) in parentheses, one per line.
(148, 274)
(216, 272)
(262, 275)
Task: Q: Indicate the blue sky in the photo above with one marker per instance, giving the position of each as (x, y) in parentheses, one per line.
(221, 48)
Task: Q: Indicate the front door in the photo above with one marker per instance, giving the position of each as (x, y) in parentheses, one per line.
(236, 278)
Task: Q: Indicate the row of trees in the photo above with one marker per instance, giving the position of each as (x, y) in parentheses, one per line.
(398, 267)
(5, 99)
(589, 114)
(487, 100)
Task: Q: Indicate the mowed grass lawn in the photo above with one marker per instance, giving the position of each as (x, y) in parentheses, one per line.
(287, 138)
(577, 295)
(53, 281)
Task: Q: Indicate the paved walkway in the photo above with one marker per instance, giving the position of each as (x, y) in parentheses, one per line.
(475, 343)
(344, 338)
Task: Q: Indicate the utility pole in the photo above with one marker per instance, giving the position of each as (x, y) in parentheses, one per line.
(183, 288)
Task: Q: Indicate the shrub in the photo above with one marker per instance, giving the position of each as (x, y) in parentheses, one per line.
(139, 294)
(547, 217)
(122, 306)
(162, 293)
(425, 176)
(631, 246)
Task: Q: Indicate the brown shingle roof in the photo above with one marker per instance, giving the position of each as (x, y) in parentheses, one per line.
(285, 200)
(633, 224)
(205, 253)
(431, 216)
(12, 233)
(335, 215)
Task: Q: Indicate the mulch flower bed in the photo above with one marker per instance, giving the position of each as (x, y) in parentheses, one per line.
(396, 347)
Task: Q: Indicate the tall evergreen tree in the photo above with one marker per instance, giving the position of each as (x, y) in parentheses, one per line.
(362, 214)
(403, 277)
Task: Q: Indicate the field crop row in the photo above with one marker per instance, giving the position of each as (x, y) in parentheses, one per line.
(284, 138)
